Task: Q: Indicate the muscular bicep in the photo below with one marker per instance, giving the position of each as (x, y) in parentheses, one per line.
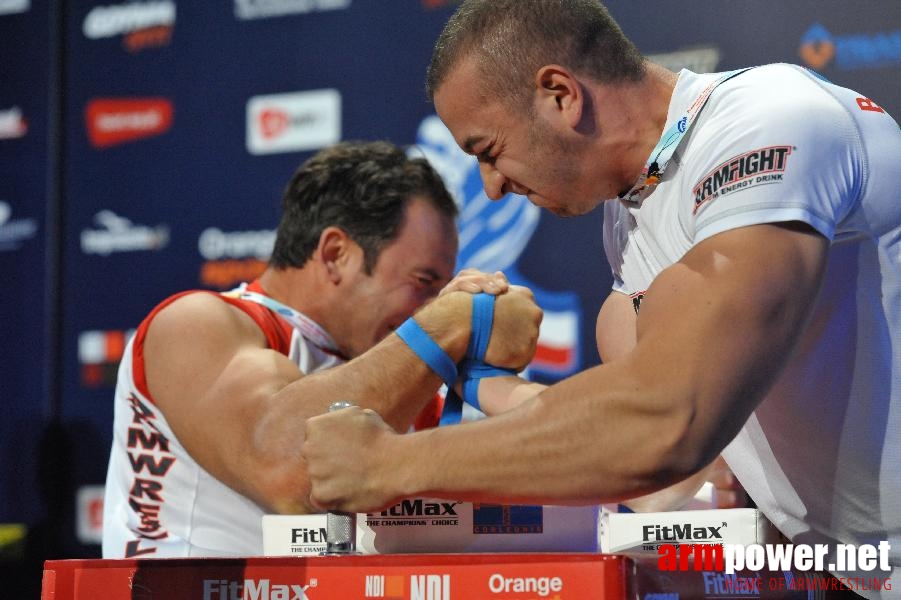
(211, 373)
(718, 326)
(615, 330)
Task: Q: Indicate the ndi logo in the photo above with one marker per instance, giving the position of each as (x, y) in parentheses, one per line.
(493, 236)
(430, 587)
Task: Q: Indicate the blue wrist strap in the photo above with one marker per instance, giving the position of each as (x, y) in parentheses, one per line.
(472, 371)
(482, 320)
(474, 368)
(428, 351)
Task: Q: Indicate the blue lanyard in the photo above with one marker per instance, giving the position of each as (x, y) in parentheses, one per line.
(672, 137)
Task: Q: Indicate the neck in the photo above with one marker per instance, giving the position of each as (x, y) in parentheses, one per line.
(292, 287)
(633, 122)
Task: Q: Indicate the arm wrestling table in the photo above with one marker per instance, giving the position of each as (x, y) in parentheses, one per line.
(520, 576)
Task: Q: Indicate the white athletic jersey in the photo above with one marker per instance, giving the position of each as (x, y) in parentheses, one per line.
(821, 455)
(159, 502)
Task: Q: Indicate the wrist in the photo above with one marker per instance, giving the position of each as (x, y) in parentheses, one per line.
(447, 321)
(400, 471)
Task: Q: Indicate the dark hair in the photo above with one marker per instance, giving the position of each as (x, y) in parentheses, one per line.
(361, 187)
(512, 39)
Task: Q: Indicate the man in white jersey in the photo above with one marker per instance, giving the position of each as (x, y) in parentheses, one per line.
(214, 389)
(754, 218)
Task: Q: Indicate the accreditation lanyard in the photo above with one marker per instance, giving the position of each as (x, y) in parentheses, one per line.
(672, 137)
(307, 327)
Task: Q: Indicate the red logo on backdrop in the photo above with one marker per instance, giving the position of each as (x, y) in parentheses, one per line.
(432, 4)
(112, 121)
(273, 122)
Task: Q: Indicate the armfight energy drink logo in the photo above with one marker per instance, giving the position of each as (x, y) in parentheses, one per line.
(493, 235)
(761, 166)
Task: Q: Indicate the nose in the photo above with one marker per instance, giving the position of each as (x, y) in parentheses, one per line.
(492, 180)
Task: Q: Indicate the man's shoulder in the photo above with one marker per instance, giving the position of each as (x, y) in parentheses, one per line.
(777, 93)
(195, 314)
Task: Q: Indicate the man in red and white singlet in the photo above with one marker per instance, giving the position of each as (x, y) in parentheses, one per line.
(214, 389)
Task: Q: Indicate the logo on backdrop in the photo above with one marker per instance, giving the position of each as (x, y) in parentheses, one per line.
(232, 257)
(118, 234)
(261, 9)
(113, 121)
(14, 232)
(293, 122)
(141, 24)
(12, 123)
(99, 354)
(493, 235)
(819, 49)
(9, 7)
(703, 59)
(501, 518)
(433, 4)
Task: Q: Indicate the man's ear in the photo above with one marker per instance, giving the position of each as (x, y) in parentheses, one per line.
(559, 95)
(333, 252)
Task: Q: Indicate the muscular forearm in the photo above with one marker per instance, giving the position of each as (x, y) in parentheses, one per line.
(500, 394)
(389, 379)
(572, 443)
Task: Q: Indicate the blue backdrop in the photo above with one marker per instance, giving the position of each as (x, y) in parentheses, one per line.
(144, 145)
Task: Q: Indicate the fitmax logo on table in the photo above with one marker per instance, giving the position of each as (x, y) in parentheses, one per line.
(254, 589)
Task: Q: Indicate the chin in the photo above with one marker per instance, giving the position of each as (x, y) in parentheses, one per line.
(570, 208)
(569, 211)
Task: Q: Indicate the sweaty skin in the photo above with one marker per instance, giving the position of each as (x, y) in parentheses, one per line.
(658, 414)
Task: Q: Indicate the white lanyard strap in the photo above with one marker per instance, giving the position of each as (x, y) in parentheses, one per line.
(307, 327)
(672, 137)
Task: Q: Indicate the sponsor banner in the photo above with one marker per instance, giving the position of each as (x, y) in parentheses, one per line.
(550, 576)
(232, 257)
(702, 59)
(426, 525)
(14, 232)
(99, 354)
(9, 7)
(89, 514)
(118, 234)
(433, 4)
(141, 24)
(821, 49)
(646, 532)
(293, 122)
(261, 9)
(12, 123)
(113, 121)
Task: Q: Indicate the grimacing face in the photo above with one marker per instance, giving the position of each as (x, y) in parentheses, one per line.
(409, 272)
(518, 153)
